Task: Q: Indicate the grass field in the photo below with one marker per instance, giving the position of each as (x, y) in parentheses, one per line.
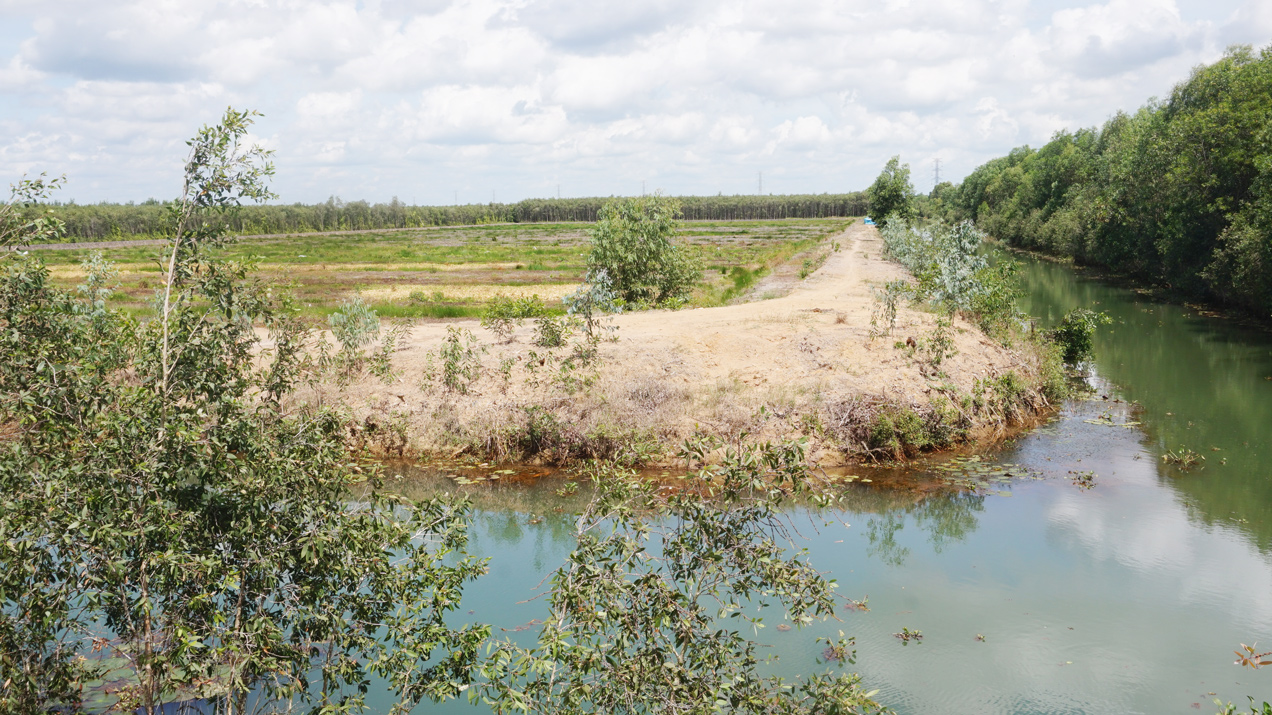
(451, 272)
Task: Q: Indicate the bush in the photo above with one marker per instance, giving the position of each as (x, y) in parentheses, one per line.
(354, 324)
(503, 314)
(632, 243)
(953, 275)
(1076, 333)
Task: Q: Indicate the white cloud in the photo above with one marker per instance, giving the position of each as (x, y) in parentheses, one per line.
(375, 98)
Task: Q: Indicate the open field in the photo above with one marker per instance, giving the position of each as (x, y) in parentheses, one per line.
(450, 272)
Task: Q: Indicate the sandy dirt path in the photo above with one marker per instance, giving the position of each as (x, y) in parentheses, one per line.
(672, 373)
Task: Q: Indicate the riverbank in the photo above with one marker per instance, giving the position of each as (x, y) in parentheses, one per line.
(803, 363)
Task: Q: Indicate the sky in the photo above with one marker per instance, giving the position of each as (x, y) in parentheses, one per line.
(469, 101)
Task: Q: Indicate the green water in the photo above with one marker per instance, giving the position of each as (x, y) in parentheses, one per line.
(1126, 597)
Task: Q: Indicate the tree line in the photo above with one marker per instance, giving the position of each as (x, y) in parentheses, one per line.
(104, 221)
(1178, 193)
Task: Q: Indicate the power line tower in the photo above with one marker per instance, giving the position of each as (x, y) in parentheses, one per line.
(761, 191)
(936, 172)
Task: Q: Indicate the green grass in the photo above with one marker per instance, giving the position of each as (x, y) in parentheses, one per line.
(321, 270)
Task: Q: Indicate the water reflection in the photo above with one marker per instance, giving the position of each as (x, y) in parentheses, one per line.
(1127, 597)
(1202, 383)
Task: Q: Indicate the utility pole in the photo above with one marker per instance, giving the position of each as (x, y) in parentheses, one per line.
(761, 183)
(936, 174)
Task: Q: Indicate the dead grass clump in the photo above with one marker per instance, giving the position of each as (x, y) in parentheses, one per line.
(651, 394)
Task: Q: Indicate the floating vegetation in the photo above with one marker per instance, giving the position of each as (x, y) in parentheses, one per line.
(783, 627)
(855, 605)
(980, 637)
(524, 626)
(1084, 480)
(1183, 457)
(570, 489)
(906, 635)
(839, 651)
(976, 474)
(1106, 420)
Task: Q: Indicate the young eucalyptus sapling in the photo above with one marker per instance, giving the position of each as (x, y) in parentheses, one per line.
(171, 517)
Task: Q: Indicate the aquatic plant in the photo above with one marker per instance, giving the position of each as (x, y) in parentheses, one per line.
(906, 636)
(1183, 457)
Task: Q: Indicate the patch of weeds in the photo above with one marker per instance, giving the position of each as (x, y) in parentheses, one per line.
(380, 363)
(883, 317)
(1183, 458)
(839, 651)
(354, 324)
(812, 263)
(551, 331)
(906, 636)
(897, 431)
(1084, 479)
(542, 433)
(568, 489)
(811, 424)
(456, 364)
(503, 315)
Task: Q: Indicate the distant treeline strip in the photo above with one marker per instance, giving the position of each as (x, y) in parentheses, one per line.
(89, 222)
(1178, 194)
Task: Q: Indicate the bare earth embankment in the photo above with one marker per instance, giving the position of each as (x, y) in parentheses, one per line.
(800, 365)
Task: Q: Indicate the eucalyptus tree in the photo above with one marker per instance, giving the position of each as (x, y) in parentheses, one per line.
(162, 515)
(892, 194)
(634, 243)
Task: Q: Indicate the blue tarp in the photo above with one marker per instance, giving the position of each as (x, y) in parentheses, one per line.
(869, 221)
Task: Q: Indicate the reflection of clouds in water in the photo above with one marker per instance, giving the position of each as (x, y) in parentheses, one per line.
(1141, 524)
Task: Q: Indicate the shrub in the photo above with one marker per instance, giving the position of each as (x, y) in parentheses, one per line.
(354, 324)
(504, 314)
(1076, 334)
(592, 301)
(460, 361)
(632, 242)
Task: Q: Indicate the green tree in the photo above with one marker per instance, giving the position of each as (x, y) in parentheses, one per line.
(633, 243)
(637, 613)
(891, 194)
(163, 516)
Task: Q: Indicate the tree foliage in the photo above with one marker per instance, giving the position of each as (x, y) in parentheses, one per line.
(892, 194)
(1178, 193)
(637, 613)
(633, 244)
(104, 221)
(163, 515)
